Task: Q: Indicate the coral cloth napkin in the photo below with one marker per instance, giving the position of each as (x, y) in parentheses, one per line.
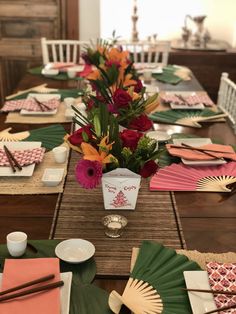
(197, 155)
(222, 276)
(18, 271)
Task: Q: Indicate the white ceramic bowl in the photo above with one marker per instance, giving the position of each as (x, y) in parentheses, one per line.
(52, 176)
(75, 250)
(50, 72)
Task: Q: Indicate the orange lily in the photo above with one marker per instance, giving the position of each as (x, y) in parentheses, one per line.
(103, 156)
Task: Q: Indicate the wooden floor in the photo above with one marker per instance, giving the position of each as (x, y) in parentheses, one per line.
(208, 219)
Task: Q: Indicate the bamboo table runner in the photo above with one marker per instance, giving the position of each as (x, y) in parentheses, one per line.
(80, 213)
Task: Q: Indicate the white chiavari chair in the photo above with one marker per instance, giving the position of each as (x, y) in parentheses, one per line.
(148, 52)
(60, 50)
(227, 98)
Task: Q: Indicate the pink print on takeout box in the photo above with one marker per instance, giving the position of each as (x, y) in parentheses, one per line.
(120, 189)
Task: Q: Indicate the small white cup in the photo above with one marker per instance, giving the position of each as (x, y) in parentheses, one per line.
(147, 75)
(16, 243)
(71, 73)
(69, 113)
(60, 154)
(69, 101)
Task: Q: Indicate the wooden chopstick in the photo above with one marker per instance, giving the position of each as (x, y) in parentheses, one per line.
(206, 153)
(9, 160)
(13, 159)
(213, 291)
(182, 99)
(28, 284)
(199, 149)
(33, 290)
(41, 105)
(224, 308)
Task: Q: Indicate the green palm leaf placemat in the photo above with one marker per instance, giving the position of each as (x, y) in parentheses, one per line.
(161, 270)
(168, 76)
(86, 298)
(63, 92)
(60, 77)
(183, 117)
(50, 136)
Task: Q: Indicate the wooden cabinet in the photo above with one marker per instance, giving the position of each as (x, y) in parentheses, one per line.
(207, 66)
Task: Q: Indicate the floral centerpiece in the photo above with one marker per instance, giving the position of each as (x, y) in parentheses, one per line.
(116, 84)
(104, 148)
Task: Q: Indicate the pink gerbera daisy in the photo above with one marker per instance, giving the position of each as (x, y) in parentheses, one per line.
(88, 173)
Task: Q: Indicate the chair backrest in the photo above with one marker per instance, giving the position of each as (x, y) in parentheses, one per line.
(54, 50)
(148, 52)
(227, 97)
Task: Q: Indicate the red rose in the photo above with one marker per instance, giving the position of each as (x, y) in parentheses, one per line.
(121, 98)
(110, 63)
(149, 168)
(130, 138)
(77, 137)
(141, 123)
(138, 87)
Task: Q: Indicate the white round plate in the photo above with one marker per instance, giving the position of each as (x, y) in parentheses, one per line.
(159, 136)
(75, 250)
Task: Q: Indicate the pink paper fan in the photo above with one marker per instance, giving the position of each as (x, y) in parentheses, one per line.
(178, 177)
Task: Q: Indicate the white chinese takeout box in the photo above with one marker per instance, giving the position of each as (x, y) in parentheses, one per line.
(120, 189)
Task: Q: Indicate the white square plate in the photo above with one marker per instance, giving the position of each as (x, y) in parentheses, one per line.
(64, 291)
(198, 142)
(41, 97)
(26, 171)
(185, 94)
(200, 302)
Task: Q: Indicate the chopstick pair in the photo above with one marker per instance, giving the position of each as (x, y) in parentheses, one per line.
(12, 161)
(224, 308)
(32, 290)
(202, 150)
(41, 105)
(180, 97)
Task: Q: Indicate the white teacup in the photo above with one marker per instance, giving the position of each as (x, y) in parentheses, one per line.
(71, 73)
(147, 75)
(16, 243)
(69, 101)
(60, 154)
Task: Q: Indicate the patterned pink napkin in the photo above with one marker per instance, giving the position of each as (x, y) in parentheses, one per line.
(30, 105)
(18, 271)
(190, 100)
(222, 276)
(23, 157)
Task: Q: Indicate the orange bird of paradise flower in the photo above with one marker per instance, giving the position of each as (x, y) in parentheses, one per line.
(102, 155)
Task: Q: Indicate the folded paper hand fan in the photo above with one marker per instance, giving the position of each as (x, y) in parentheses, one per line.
(186, 117)
(50, 137)
(178, 177)
(156, 282)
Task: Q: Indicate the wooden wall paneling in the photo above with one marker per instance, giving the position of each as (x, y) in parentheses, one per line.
(22, 24)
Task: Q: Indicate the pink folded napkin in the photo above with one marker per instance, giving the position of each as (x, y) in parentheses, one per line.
(190, 100)
(30, 105)
(23, 157)
(61, 65)
(227, 150)
(222, 276)
(18, 271)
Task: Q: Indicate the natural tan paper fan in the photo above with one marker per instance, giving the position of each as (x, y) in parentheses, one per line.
(6, 136)
(40, 89)
(138, 296)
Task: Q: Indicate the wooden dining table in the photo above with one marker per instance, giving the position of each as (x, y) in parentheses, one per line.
(208, 219)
